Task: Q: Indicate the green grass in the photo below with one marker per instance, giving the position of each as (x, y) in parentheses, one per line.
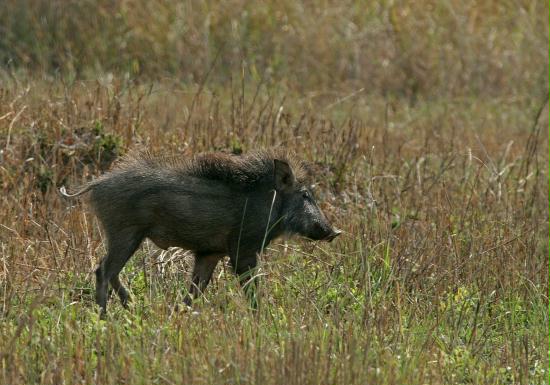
(429, 150)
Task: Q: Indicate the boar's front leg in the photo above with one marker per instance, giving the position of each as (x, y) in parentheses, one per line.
(202, 272)
(122, 292)
(244, 265)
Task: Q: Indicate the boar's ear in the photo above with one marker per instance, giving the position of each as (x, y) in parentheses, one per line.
(284, 177)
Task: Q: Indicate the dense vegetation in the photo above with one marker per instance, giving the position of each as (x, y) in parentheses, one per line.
(425, 125)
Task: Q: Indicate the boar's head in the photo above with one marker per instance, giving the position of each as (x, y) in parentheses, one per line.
(301, 213)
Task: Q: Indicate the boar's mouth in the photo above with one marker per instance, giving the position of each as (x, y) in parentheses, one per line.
(332, 235)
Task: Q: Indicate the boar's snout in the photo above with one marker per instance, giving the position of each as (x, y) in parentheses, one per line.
(333, 235)
(323, 231)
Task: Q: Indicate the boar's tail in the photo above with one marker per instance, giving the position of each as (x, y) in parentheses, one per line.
(86, 188)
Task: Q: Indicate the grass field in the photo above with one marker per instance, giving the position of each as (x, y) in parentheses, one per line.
(426, 129)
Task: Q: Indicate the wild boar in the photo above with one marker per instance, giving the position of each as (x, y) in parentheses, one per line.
(213, 204)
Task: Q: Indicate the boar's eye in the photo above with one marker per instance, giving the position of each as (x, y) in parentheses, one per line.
(305, 194)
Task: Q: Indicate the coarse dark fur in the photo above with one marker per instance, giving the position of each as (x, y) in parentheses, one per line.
(213, 204)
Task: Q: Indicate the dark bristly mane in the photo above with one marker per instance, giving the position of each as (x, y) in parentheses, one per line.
(245, 171)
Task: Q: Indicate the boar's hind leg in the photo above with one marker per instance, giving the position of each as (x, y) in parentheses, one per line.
(245, 266)
(202, 272)
(120, 248)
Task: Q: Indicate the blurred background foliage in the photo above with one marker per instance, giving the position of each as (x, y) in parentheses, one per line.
(424, 49)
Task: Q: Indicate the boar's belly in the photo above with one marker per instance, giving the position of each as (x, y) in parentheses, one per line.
(193, 228)
(187, 237)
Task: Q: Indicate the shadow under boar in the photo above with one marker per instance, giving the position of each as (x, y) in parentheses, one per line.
(214, 205)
